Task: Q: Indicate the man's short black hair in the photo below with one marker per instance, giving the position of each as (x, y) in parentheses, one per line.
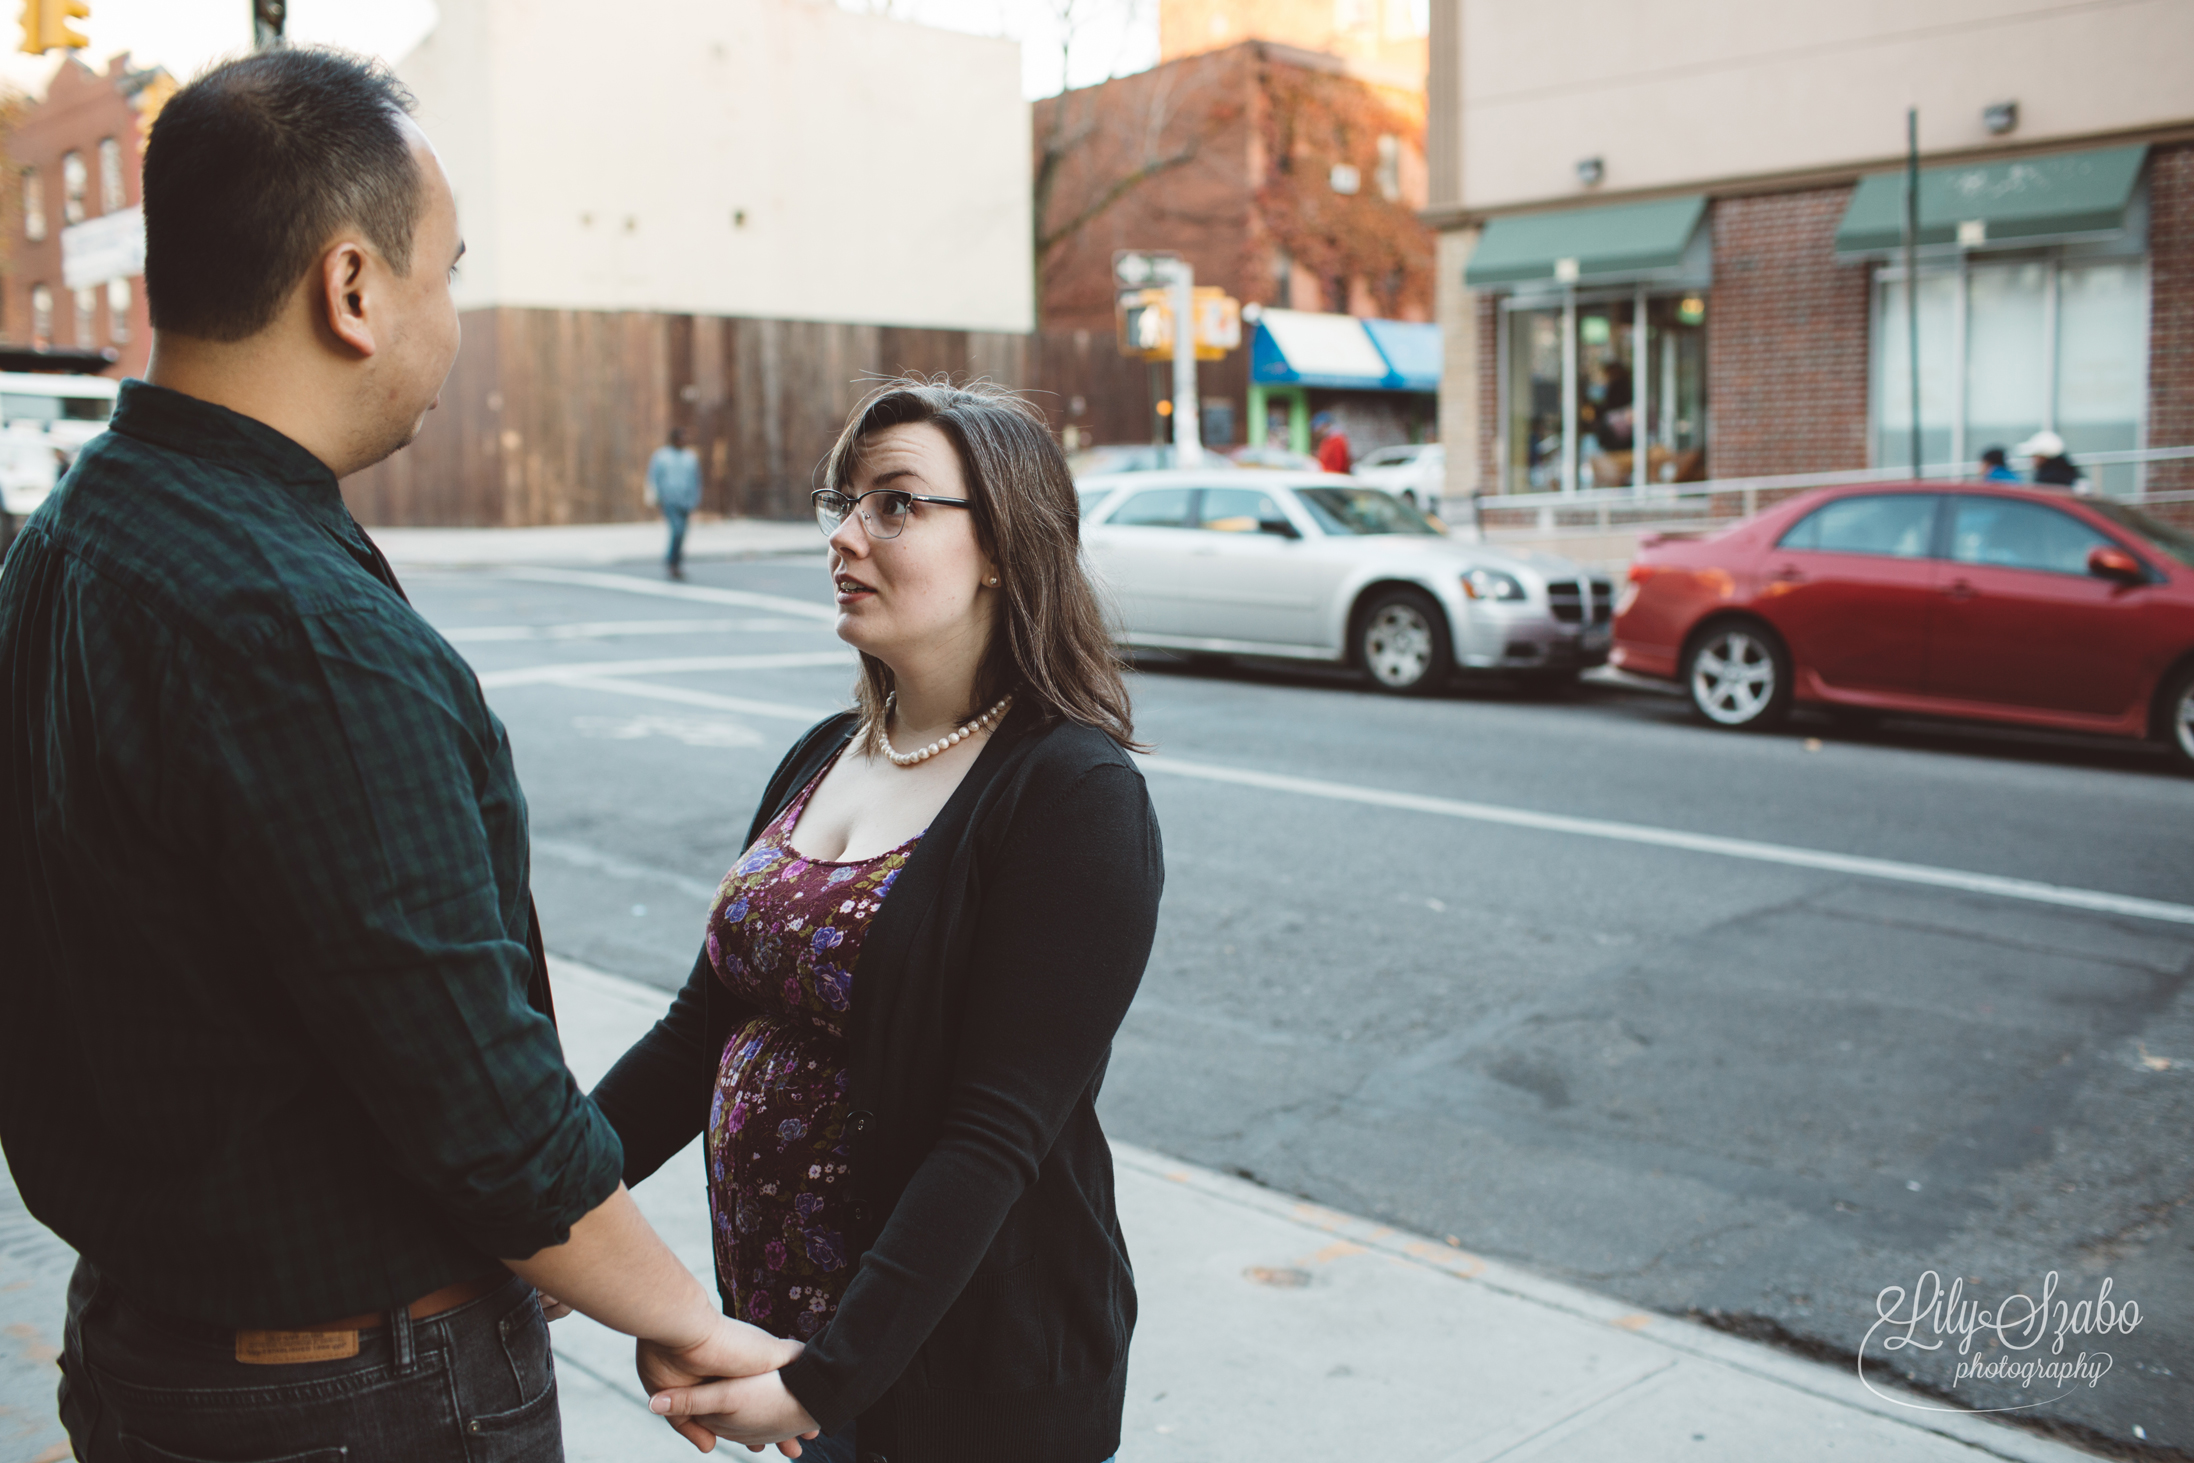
(1993, 457)
(251, 170)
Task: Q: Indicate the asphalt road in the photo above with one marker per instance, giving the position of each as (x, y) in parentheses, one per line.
(1706, 1080)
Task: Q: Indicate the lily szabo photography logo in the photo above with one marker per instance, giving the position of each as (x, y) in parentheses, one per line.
(2045, 1347)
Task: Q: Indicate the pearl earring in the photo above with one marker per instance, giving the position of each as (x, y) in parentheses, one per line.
(992, 581)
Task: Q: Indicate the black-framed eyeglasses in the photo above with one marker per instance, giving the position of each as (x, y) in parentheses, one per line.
(884, 511)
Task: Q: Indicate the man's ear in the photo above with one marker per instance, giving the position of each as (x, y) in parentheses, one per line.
(342, 304)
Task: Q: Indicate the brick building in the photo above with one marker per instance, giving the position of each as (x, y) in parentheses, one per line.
(74, 283)
(1290, 178)
(1683, 259)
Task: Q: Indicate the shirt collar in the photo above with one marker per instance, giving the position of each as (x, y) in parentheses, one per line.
(167, 418)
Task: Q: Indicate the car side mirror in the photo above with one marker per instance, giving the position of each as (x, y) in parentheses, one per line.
(1279, 528)
(2106, 561)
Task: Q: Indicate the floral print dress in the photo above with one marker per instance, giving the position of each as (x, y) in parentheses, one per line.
(784, 934)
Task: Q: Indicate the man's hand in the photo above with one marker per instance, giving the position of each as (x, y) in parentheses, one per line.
(732, 1349)
(552, 1309)
(752, 1410)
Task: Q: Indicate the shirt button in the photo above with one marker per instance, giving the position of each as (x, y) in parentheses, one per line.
(861, 1121)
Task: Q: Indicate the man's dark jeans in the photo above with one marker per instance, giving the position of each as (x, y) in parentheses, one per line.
(676, 518)
(476, 1384)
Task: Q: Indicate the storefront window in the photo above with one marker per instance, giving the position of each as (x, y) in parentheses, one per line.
(2008, 349)
(1622, 406)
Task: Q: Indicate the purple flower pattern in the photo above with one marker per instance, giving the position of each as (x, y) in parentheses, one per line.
(784, 935)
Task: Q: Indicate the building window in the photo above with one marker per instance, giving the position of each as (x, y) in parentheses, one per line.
(113, 194)
(87, 318)
(118, 311)
(74, 179)
(1389, 172)
(1578, 407)
(34, 206)
(41, 316)
(2009, 348)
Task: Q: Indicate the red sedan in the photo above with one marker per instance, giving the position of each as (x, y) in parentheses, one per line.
(1989, 602)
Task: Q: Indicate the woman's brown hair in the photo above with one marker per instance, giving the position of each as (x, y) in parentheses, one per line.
(1049, 646)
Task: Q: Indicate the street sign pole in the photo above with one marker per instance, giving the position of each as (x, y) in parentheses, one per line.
(1912, 271)
(1188, 442)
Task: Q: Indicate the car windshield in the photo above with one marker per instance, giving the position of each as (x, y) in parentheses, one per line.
(2176, 542)
(1346, 511)
(22, 407)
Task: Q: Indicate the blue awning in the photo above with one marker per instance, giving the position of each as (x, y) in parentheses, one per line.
(1411, 350)
(1305, 348)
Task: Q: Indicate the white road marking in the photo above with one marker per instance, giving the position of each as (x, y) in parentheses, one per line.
(2033, 891)
(2030, 890)
(580, 856)
(806, 609)
(537, 675)
(649, 691)
(610, 629)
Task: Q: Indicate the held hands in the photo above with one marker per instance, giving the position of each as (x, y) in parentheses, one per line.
(752, 1410)
(745, 1355)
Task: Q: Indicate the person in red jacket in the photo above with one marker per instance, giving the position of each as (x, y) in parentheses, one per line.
(1332, 442)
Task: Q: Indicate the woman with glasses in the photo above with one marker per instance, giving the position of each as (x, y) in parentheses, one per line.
(895, 1032)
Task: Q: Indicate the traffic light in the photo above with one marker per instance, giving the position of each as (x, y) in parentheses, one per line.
(1145, 323)
(46, 25)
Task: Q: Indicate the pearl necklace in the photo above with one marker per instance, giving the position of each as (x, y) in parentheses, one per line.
(908, 759)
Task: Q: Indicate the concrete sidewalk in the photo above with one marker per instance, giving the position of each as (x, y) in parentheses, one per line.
(1273, 1329)
(1270, 1329)
(592, 543)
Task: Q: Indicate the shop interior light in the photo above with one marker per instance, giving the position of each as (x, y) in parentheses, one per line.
(1691, 310)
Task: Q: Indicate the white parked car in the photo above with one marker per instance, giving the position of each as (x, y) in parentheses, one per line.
(1412, 472)
(1309, 566)
(43, 419)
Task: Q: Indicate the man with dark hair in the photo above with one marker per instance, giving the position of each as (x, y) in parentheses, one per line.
(276, 1050)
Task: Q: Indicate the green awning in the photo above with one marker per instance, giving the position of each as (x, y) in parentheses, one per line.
(1614, 245)
(2065, 195)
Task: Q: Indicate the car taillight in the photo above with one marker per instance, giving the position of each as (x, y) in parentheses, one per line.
(1640, 573)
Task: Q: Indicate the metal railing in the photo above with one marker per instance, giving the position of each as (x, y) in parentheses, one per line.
(1725, 500)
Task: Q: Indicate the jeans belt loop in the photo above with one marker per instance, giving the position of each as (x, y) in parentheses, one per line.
(400, 1332)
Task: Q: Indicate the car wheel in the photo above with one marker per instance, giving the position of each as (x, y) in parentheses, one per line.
(1738, 675)
(1401, 639)
(2178, 716)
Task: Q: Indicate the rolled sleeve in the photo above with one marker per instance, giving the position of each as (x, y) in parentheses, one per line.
(363, 808)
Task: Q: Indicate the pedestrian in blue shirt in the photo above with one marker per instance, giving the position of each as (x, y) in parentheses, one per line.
(674, 485)
(1996, 467)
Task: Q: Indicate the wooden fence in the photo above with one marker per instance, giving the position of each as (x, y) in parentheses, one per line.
(550, 415)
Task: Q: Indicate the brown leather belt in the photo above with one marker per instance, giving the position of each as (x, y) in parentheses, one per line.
(334, 1340)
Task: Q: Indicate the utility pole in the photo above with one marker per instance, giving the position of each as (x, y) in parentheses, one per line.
(1149, 277)
(1188, 433)
(267, 20)
(1912, 271)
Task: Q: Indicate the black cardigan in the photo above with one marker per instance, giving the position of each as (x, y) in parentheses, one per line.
(991, 1306)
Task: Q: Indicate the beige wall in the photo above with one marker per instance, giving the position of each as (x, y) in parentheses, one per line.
(1675, 92)
(882, 167)
(1458, 317)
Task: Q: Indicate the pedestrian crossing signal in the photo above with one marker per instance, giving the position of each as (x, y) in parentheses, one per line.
(46, 25)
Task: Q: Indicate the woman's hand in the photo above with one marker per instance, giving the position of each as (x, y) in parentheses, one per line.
(552, 1309)
(751, 1410)
(733, 1350)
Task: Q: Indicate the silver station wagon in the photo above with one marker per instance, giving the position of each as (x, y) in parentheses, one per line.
(1308, 566)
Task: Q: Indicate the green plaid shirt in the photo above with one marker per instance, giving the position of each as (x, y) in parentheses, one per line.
(266, 1054)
